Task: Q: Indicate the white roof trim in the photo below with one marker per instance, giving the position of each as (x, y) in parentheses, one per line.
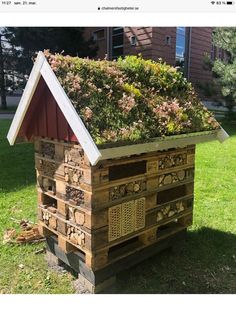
(222, 135)
(159, 144)
(26, 99)
(41, 67)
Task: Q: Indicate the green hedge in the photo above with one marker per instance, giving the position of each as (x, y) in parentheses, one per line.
(131, 99)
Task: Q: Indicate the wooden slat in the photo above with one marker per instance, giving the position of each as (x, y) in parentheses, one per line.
(51, 116)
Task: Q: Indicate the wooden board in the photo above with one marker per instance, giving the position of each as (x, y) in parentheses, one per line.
(106, 253)
(76, 261)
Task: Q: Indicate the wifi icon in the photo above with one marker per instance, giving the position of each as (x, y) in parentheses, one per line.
(213, 2)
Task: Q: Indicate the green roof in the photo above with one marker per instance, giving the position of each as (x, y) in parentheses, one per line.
(131, 99)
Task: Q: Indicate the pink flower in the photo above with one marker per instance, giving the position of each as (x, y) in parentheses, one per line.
(127, 103)
(109, 135)
(88, 114)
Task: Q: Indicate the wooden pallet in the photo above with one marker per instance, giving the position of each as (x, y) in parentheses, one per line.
(53, 175)
(115, 169)
(97, 254)
(101, 280)
(61, 151)
(113, 224)
(147, 209)
(108, 212)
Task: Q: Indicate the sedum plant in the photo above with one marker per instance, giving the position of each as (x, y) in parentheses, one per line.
(131, 99)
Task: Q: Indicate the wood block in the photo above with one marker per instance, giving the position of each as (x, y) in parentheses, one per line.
(186, 221)
(37, 145)
(88, 199)
(53, 222)
(79, 217)
(87, 176)
(65, 245)
(40, 198)
(62, 209)
(149, 236)
(99, 219)
(61, 226)
(99, 198)
(59, 152)
(40, 214)
(88, 221)
(189, 188)
(86, 161)
(97, 260)
(151, 201)
(152, 183)
(100, 176)
(152, 167)
(83, 285)
(191, 159)
(60, 187)
(59, 170)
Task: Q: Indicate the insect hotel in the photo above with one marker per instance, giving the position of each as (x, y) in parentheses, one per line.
(114, 157)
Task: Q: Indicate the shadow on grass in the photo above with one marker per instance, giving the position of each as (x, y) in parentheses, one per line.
(206, 263)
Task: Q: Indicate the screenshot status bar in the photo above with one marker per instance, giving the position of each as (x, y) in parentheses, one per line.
(101, 6)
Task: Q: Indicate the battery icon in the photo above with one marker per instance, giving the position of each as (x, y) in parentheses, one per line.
(229, 2)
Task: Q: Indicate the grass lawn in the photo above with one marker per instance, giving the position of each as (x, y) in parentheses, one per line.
(206, 263)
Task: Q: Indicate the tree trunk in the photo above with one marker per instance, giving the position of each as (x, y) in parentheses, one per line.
(2, 79)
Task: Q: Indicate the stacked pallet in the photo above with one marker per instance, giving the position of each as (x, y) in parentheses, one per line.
(105, 207)
(115, 209)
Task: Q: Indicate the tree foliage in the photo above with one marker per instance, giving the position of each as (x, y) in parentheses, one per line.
(16, 57)
(225, 70)
(69, 40)
(9, 77)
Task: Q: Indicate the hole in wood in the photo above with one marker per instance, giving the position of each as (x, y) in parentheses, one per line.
(171, 194)
(123, 248)
(49, 201)
(48, 149)
(78, 253)
(71, 257)
(127, 170)
(166, 230)
(47, 185)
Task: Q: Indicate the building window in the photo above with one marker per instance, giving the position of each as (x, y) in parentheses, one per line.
(213, 52)
(99, 34)
(168, 40)
(133, 40)
(180, 47)
(117, 41)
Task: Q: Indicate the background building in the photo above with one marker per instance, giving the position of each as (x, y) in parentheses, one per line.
(182, 47)
(185, 47)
